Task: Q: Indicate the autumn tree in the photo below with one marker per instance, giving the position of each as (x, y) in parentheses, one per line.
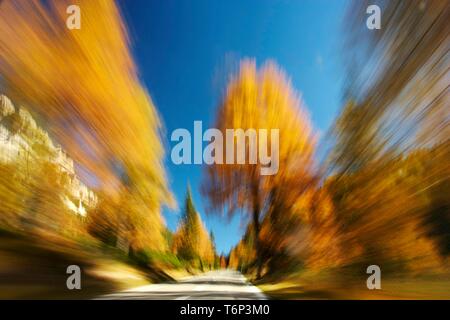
(191, 241)
(262, 99)
(394, 123)
(243, 255)
(213, 243)
(95, 106)
(396, 84)
(223, 262)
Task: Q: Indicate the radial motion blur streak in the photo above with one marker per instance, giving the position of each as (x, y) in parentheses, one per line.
(83, 180)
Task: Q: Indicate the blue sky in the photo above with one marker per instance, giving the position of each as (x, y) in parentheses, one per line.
(182, 49)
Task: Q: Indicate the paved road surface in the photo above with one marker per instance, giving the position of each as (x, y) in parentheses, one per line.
(221, 285)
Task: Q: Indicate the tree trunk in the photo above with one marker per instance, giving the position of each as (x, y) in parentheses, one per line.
(257, 242)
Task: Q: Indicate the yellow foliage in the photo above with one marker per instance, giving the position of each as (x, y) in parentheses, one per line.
(84, 86)
(263, 99)
(191, 241)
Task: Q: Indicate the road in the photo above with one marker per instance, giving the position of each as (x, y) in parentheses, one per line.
(214, 285)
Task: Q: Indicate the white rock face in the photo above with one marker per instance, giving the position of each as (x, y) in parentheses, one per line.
(16, 146)
(6, 107)
(27, 121)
